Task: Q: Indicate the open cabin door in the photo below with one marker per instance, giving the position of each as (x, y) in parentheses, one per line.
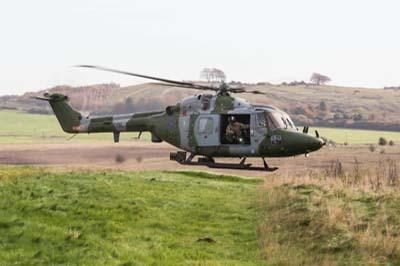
(206, 130)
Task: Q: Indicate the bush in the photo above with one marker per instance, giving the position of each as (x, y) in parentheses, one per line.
(391, 143)
(382, 141)
(119, 158)
(372, 147)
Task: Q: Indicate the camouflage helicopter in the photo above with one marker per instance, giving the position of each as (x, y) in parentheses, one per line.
(204, 125)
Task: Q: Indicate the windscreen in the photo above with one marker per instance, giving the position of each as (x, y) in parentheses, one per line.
(279, 120)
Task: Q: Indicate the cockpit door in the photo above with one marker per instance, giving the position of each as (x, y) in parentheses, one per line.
(206, 130)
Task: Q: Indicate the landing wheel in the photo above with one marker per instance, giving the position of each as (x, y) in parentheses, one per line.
(206, 159)
(210, 159)
(267, 168)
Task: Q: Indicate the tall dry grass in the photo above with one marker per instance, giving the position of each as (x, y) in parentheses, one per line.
(332, 216)
(383, 176)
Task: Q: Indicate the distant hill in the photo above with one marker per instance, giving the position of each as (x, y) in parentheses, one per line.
(306, 104)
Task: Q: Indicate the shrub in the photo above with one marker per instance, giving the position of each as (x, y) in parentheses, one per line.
(372, 147)
(391, 143)
(119, 158)
(382, 141)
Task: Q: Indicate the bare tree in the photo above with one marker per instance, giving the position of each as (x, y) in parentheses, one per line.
(213, 75)
(205, 74)
(319, 79)
(220, 75)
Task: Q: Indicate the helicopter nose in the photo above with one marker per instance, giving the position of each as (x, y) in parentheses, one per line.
(315, 144)
(302, 143)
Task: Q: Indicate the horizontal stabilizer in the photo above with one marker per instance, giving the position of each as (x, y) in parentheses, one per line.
(41, 98)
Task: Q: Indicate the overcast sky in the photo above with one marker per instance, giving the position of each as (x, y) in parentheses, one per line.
(356, 43)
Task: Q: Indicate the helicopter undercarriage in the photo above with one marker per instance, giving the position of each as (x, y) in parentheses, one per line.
(182, 158)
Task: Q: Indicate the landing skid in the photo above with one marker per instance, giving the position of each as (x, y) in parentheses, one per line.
(180, 157)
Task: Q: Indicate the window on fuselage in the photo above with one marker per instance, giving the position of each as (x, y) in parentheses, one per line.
(275, 120)
(290, 122)
(206, 126)
(261, 119)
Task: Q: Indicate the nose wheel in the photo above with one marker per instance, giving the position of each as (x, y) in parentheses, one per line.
(267, 168)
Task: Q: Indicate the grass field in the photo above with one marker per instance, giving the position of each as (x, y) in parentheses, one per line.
(84, 217)
(356, 136)
(27, 128)
(116, 218)
(20, 127)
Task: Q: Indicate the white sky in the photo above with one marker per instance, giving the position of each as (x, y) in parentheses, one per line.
(356, 43)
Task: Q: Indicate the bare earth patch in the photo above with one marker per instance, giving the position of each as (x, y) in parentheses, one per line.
(148, 156)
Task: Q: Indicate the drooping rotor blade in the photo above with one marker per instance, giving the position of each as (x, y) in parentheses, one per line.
(41, 98)
(195, 86)
(186, 84)
(236, 90)
(255, 92)
(243, 90)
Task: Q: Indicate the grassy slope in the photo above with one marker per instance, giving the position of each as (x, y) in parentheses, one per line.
(307, 224)
(28, 128)
(148, 218)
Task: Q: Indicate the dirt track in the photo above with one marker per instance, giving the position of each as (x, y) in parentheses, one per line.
(148, 156)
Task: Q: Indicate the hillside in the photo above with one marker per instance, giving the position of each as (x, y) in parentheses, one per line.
(308, 104)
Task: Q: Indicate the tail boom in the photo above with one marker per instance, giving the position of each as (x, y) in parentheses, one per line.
(72, 121)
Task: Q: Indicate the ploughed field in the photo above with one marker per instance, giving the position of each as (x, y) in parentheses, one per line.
(142, 155)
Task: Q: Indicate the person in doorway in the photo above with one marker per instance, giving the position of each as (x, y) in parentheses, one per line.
(234, 131)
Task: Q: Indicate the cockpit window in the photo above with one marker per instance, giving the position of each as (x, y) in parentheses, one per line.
(275, 120)
(290, 122)
(279, 120)
(261, 120)
(284, 122)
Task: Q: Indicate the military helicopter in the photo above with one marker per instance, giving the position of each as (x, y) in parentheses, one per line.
(204, 125)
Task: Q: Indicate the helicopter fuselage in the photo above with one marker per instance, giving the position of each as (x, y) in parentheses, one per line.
(198, 124)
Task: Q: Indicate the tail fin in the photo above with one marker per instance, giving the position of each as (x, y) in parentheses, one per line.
(68, 118)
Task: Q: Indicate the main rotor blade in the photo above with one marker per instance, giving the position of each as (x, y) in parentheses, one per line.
(195, 86)
(41, 98)
(256, 92)
(243, 90)
(236, 90)
(188, 84)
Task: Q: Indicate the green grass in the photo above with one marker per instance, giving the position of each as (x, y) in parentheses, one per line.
(28, 128)
(18, 127)
(156, 218)
(123, 218)
(356, 136)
